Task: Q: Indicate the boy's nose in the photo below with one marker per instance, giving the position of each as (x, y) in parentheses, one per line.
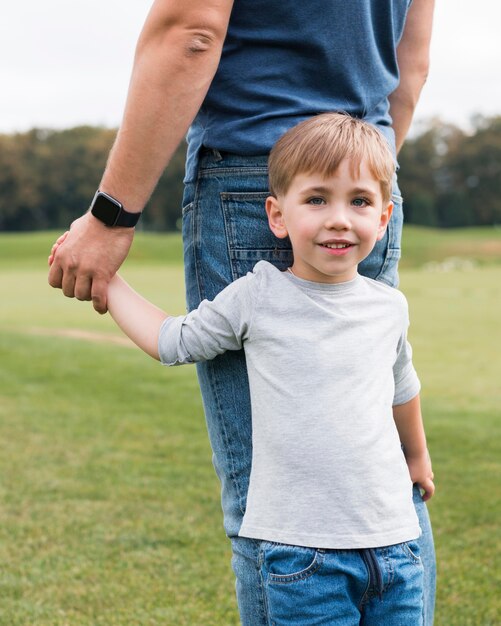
(337, 219)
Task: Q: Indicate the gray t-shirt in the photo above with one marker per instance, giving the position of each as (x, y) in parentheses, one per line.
(326, 363)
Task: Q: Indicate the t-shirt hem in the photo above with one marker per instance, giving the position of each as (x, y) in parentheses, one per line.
(332, 542)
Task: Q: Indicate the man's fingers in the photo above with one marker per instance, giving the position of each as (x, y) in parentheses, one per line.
(83, 287)
(99, 295)
(68, 284)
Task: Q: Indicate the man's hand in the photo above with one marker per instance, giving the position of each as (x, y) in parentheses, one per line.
(87, 258)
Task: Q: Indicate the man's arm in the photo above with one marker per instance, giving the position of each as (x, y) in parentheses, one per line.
(412, 436)
(176, 58)
(413, 61)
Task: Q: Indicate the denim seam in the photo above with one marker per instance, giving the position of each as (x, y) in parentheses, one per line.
(262, 585)
(227, 232)
(197, 217)
(231, 458)
(248, 171)
(196, 227)
(389, 568)
(387, 256)
(186, 209)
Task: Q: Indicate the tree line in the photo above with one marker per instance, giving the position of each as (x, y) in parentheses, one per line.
(448, 177)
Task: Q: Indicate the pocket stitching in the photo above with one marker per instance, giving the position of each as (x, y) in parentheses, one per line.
(298, 576)
(414, 557)
(186, 209)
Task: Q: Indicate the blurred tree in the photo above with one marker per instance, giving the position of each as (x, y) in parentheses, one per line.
(448, 177)
(475, 167)
(48, 178)
(418, 159)
(163, 211)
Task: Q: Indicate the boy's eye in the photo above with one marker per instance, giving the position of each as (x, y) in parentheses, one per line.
(360, 202)
(316, 200)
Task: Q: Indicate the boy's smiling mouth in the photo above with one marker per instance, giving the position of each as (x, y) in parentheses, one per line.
(336, 245)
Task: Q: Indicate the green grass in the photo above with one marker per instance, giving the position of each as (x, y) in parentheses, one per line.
(109, 506)
(423, 245)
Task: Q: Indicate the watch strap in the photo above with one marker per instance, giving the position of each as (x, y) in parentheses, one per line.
(127, 219)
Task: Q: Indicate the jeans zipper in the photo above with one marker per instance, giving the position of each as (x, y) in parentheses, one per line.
(375, 576)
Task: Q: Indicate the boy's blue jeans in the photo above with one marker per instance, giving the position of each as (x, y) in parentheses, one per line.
(373, 587)
(225, 233)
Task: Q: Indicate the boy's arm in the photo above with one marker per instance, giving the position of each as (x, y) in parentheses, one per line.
(410, 427)
(211, 329)
(139, 319)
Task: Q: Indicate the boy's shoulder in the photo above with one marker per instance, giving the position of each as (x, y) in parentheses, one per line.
(265, 272)
(265, 267)
(263, 276)
(382, 291)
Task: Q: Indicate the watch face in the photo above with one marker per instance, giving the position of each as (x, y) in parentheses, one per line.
(106, 209)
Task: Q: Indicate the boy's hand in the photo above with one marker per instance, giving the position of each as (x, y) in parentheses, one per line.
(54, 248)
(421, 473)
(90, 254)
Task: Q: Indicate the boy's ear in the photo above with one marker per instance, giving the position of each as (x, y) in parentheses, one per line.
(275, 217)
(383, 222)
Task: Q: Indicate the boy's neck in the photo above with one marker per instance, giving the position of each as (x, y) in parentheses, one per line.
(316, 282)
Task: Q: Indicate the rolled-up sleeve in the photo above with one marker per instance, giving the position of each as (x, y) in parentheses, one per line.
(213, 328)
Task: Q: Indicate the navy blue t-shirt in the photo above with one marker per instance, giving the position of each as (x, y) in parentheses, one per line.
(286, 60)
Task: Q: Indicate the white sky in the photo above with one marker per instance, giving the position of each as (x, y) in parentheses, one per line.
(65, 63)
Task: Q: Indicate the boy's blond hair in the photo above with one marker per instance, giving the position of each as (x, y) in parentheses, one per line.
(319, 144)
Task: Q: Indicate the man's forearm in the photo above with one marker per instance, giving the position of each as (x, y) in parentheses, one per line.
(413, 62)
(403, 105)
(176, 58)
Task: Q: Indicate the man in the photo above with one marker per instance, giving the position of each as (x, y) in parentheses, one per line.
(240, 74)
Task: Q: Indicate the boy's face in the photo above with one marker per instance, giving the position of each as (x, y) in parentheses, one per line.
(333, 223)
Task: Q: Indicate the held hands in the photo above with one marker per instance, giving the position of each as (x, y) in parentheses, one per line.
(421, 473)
(84, 260)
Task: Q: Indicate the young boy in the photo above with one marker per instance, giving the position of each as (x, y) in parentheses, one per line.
(334, 392)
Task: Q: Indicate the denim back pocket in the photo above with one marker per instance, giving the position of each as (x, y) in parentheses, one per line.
(248, 235)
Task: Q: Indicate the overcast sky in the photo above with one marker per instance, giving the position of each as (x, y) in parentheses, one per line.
(64, 63)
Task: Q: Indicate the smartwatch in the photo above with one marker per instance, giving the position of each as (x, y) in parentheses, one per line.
(111, 212)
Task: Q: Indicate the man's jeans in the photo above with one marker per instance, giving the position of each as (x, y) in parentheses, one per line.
(225, 232)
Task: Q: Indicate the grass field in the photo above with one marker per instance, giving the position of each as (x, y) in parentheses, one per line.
(109, 506)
